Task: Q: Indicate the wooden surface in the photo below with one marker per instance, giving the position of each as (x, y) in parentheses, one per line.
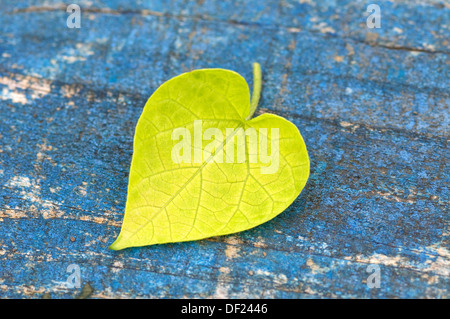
(371, 104)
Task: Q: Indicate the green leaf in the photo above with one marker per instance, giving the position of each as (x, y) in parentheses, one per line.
(190, 186)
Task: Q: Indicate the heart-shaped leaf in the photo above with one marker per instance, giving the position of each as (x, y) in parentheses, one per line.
(186, 185)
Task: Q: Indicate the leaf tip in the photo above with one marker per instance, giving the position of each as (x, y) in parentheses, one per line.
(118, 244)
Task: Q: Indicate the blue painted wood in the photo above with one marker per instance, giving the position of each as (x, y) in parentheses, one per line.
(372, 106)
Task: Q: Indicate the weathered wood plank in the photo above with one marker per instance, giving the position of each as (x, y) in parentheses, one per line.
(406, 24)
(64, 187)
(372, 107)
(345, 79)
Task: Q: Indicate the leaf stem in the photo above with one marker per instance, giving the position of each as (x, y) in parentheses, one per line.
(256, 89)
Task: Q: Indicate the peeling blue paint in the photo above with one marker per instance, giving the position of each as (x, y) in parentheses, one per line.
(373, 110)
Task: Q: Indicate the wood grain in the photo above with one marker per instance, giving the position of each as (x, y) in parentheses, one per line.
(371, 104)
